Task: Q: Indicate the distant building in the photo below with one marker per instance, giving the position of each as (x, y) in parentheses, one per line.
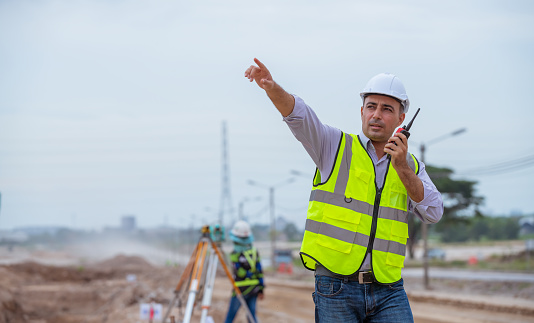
(39, 230)
(13, 237)
(526, 225)
(128, 223)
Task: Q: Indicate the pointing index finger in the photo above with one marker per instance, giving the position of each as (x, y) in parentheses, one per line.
(260, 64)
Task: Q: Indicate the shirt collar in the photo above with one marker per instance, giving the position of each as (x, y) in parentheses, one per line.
(366, 142)
(370, 148)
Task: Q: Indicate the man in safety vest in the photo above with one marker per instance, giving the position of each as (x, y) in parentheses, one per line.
(357, 224)
(248, 274)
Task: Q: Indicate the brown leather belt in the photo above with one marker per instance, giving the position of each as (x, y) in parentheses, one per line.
(362, 277)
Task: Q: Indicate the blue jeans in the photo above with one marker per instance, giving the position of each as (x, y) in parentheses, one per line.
(235, 305)
(336, 301)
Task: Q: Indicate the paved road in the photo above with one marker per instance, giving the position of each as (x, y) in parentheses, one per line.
(469, 275)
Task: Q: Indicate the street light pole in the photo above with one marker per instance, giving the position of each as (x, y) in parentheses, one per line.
(424, 235)
(272, 234)
(424, 226)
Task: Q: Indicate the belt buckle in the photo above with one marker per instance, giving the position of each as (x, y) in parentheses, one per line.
(361, 277)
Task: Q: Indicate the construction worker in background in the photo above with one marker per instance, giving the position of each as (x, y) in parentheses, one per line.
(357, 224)
(248, 274)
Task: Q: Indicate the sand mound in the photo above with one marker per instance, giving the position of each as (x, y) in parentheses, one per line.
(123, 263)
(8, 278)
(35, 272)
(32, 290)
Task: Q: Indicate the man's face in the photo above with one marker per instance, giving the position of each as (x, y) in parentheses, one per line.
(380, 116)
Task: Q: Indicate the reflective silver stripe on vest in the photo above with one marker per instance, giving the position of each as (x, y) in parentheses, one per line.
(344, 167)
(389, 246)
(337, 233)
(358, 206)
(392, 214)
(354, 237)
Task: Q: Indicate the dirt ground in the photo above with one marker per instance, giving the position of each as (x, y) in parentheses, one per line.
(33, 292)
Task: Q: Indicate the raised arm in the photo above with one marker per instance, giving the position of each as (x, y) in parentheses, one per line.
(282, 100)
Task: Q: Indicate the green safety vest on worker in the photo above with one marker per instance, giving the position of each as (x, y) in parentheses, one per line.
(349, 216)
(254, 281)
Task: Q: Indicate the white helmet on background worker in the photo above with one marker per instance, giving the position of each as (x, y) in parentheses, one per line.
(241, 234)
(387, 84)
(241, 229)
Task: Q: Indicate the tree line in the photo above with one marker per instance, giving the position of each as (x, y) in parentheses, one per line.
(462, 219)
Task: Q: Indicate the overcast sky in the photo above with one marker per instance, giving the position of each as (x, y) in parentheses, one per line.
(110, 108)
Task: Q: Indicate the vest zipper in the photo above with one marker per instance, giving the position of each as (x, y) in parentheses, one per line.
(376, 207)
(374, 223)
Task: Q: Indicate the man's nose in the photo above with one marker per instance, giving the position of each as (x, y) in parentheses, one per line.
(377, 114)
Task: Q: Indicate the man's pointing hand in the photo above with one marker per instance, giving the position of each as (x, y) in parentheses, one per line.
(282, 100)
(261, 75)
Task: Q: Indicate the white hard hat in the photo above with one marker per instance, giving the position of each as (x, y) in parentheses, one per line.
(387, 84)
(241, 229)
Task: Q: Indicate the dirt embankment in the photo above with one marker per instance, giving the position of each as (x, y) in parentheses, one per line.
(32, 292)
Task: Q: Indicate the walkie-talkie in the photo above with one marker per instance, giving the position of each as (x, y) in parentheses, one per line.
(404, 129)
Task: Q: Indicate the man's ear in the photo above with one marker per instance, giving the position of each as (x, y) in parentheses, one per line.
(361, 112)
(401, 119)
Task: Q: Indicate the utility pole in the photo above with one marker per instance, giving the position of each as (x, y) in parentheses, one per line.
(226, 207)
(271, 212)
(424, 235)
(424, 226)
(273, 227)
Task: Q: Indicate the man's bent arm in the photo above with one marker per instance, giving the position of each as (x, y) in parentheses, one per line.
(412, 183)
(425, 199)
(430, 209)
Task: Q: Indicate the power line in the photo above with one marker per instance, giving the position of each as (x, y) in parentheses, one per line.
(261, 211)
(500, 168)
(293, 209)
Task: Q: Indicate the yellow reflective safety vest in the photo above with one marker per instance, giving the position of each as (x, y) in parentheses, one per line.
(349, 216)
(251, 279)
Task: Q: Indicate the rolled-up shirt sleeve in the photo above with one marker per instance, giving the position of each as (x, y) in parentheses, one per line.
(430, 209)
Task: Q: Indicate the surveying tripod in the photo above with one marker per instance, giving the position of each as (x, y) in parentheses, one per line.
(197, 278)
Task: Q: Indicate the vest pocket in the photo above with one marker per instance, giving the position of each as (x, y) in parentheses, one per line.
(398, 197)
(338, 228)
(395, 260)
(397, 244)
(332, 243)
(399, 229)
(346, 218)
